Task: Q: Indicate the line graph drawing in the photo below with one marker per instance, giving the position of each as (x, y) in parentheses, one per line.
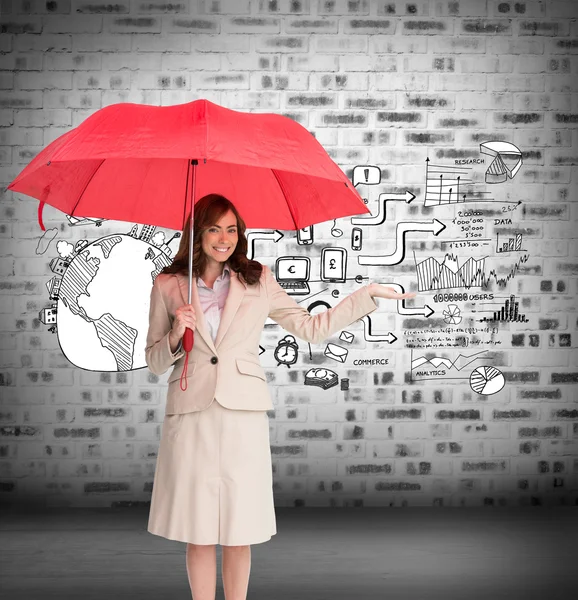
(436, 274)
(425, 367)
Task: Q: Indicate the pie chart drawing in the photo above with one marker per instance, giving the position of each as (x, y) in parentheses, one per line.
(452, 315)
(487, 380)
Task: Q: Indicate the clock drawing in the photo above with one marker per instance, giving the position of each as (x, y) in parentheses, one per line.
(286, 351)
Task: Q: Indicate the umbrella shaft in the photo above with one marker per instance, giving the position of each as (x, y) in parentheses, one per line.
(194, 164)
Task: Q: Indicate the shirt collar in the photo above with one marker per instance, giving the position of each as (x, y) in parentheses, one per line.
(222, 277)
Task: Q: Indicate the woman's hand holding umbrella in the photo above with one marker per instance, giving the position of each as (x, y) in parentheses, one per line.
(185, 317)
(376, 290)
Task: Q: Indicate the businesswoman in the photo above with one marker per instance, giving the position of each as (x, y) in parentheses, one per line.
(213, 481)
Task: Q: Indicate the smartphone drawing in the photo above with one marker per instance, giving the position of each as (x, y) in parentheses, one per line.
(333, 264)
(305, 235)
(356, 237)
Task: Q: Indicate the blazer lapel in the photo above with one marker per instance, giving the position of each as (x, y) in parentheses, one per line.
(236, 292)
(202, 327)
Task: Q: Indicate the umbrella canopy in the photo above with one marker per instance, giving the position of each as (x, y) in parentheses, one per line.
(131, 162)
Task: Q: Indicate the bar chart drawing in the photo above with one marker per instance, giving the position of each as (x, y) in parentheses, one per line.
(512, 245)
(508, 313)
(445, 184)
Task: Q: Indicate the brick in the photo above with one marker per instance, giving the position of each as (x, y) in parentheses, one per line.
(79, 24)
(132, 24)
(525, 47)
(103, 42)
(429, 27)
(43, 43)
(284, 6)
(480, 101)
(368, 26)
(365, 100)
(251, 62)
(457, 82)
(185, 62)
(464, 8)
(339, 44)
(282, 44)
(275, 81)
(21, 62)
(21, 25)
(304, 26)
(311, 99)
(243, 24)
(100, 80)
(486, 26)
(91, 8)
(561, 46)
(340, 81)
(463, 119)
(562, 9)
(539, 102)
(343, 7)
(42, 118)
(503, 64)
(193, 25)
(515, 83)
(43, 81)
(73, 61)
(147, 8)
(400, 82)
(317, 62)
(132, 61)
(341, 119)
(85, 99)
(384, 44)
(428, 101)
(235, 7)
(237, 100)
(551, 28)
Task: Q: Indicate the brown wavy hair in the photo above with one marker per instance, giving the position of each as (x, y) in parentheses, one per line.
(207, 211)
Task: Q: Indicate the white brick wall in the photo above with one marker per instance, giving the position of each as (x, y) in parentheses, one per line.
(377, 82)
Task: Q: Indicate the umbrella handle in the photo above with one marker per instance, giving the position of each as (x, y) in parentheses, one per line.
(188, 340)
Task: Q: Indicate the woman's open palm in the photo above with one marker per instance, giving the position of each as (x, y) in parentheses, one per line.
(377, 290)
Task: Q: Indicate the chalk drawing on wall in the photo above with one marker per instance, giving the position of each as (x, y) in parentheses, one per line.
(507, 160)
(305, 236)
(45, 239)
(395, 258)
(486, 380)
(430, 366)
(452, 315)
(509, 312)
(333, 265)
(336, 352)
(449, 273)
(366, 174)
(381, 216)
(425, 311)
(255, 235)
(292, 274)
(78, 221)
(101, 310)
(321, 378)
(286, 351)
(512, 244)
(449, 184)
(369, 336)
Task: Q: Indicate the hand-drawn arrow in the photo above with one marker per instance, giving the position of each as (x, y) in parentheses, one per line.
(370, 337)
(434, 227)
(253, 236)
(380, 217)
(402, 309)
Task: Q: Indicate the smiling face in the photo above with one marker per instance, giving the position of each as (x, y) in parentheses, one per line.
(220, 240)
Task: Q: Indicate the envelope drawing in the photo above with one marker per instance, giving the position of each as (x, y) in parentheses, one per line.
(336, 352)
(346, 336)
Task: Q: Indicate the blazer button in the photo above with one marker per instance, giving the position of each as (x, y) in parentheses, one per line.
(214, 360)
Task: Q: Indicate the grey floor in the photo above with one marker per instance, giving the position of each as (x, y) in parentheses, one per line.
(317, 554)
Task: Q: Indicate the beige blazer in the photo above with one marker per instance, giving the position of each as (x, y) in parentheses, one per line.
(229, 369)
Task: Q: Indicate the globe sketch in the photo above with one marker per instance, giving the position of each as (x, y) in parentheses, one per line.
(103, 303)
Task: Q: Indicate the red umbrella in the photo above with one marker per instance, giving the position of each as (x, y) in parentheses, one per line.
(148, 164)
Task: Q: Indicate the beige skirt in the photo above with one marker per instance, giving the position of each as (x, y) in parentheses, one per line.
(213, 481)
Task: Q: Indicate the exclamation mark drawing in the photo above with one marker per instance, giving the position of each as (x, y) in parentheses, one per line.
(366, 173)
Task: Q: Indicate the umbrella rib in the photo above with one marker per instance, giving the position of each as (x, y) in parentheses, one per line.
(84, 190)
(280, 184)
